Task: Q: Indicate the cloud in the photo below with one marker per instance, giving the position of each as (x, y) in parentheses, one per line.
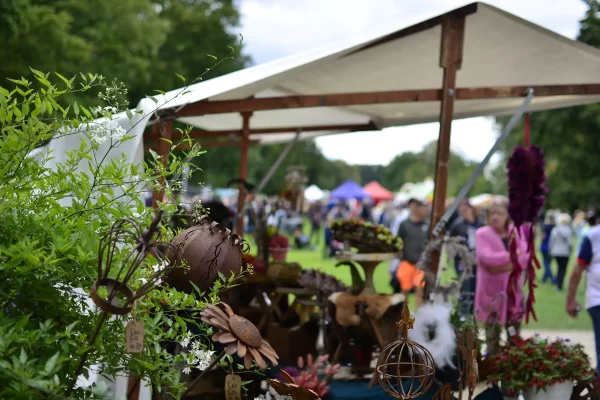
(471, 138)
(277, 28)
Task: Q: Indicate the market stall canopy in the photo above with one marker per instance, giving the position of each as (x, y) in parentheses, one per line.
(422, 191)
(313, 193)
(349, 190)
(500, 51)
(378, 192)
(482, 200)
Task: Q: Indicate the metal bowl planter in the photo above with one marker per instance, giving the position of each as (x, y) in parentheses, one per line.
(365, 236)
(205, 249)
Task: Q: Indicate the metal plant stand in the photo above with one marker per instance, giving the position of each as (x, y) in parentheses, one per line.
(368, 261)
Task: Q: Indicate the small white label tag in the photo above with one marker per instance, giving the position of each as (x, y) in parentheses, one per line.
(511, 331)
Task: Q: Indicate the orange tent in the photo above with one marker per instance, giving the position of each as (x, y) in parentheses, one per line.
(377, 192)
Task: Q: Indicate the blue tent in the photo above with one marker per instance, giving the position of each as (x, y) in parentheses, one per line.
(349, 190)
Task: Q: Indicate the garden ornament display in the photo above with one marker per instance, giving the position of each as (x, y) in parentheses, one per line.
(366, 237)
(526, 192)
(433, 330)
(345, 305)
(201, 253)
(405, 369)
(241, 337)
(295, 183)
(289, 388)
(455, 248)
(444, 393)
(259, 216)
(110, 291)
(307, 374)
(469, 369)
(321, 282)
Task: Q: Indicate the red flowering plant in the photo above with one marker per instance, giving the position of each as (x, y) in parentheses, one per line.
(277, 241)
(537, 363)
(306, 374)
(366, 237)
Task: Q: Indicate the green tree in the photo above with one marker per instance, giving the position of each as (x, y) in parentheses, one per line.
(52, 216)
(142, 43)
(569, 139)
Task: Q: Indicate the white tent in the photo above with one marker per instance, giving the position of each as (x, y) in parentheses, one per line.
(313, 193)
(481, 200)
(421, 190)
(503, 54)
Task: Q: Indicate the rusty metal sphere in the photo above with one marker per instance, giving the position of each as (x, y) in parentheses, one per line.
(207, 249)
(405, 370)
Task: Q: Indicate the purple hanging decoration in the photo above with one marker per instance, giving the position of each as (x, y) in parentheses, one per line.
(527, 195)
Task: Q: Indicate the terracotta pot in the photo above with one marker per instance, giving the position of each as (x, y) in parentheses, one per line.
(206, 248)
(278, 254)
(558, 391)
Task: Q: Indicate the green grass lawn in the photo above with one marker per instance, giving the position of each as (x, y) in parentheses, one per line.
(549, 306)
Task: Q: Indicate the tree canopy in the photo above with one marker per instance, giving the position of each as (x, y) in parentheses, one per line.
(143, 43)
(569, 138)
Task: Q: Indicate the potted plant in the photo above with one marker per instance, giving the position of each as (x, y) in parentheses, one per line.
(314, 374)
(365, 236)
(278, 245)
(541, 369)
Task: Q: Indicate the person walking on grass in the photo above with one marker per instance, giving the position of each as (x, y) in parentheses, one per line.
(548, 225)
(561, 246)
(588, 260)
(413, 232)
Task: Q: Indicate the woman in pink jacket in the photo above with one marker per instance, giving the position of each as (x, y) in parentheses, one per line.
(493, 270)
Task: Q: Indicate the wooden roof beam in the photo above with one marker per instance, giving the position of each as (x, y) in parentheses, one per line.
(223, 133)
(387, 97)
(224, 143)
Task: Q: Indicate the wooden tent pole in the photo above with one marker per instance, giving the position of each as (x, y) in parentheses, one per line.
(163, 129)
(244, 146)
(453, 29)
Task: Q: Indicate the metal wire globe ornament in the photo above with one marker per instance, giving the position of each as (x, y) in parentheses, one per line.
(405, 369)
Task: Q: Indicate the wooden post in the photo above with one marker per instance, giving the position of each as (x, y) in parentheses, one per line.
(453, 29)
(133, 387)
(162, 129)
(244, 146)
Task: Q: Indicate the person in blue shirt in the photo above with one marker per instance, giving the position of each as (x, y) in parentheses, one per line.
(549, 223)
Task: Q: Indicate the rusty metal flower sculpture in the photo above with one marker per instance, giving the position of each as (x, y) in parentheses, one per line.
(240, 335)
(115, 278)
(110, 291)
(405, 364)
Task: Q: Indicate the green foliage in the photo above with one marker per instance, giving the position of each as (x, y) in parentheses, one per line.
(569, 139)
(142, 43)
(52, 213)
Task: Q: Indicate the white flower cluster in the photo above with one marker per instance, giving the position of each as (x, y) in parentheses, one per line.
(109, 130)
(107, 109)
(198, 358)
(156, 269)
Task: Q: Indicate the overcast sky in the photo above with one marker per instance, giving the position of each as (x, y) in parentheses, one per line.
(277, 28)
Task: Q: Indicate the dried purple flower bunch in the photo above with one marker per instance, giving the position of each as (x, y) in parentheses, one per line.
(527, 195)
(323, 283)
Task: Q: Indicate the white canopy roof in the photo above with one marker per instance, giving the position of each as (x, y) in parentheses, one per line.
(500, 49)
(313, 193)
